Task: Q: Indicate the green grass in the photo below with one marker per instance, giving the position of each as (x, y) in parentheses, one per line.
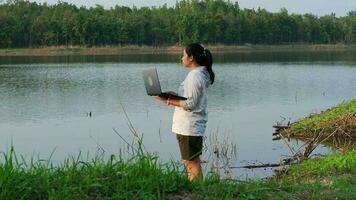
(143, 177)
(137, 178)
(335, 127)
(332, 164)
(326, 116)
(334, 175)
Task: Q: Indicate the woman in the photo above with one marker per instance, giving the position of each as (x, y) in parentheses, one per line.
(190, 116)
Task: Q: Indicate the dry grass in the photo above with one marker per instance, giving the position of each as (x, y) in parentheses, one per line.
(335, 126)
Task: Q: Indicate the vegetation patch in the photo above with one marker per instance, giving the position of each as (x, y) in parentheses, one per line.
(333, 175)
(336, 126)
(143, 177)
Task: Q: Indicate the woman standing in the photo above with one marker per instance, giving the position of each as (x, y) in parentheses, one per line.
(190, 116)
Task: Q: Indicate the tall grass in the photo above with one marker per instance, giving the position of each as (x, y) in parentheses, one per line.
(143, 177)
(139, 177)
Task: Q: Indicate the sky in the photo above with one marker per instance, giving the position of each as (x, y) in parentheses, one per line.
(316, 7)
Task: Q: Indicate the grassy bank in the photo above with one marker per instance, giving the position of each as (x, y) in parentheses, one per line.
(336, 125)
(132, 49)
(143, 177)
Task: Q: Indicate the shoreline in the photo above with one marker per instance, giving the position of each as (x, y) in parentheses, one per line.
(335, 126)
(134, 49)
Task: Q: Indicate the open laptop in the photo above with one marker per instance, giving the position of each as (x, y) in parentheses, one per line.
(153, 87)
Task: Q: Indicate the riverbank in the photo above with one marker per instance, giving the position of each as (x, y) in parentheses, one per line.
(335, 126)
(131, 49)
(143, 177)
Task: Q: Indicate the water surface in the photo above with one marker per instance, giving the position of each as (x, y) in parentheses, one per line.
(45, 102)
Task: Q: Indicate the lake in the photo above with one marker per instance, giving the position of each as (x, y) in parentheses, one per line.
(46, 101)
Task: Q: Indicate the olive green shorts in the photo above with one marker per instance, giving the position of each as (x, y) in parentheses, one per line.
(190, 146)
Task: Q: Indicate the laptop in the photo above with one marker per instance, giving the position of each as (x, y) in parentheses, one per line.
(153, 87)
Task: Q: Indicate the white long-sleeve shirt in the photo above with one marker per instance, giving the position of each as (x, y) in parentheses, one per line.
(191, 117)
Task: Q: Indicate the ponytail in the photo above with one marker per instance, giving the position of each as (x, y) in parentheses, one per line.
(203, 57)
(209, 64)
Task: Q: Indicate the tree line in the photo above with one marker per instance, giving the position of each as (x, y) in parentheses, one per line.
(29, 24)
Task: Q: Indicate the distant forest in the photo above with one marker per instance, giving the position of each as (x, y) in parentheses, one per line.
(24, 24)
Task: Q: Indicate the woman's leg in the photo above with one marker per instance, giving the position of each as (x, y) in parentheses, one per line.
(191, 149)
(194, 169)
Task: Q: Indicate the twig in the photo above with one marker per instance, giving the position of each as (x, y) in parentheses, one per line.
(285, 142)
(117, 133)
(97, 144)
(260, 166)
(132, 129)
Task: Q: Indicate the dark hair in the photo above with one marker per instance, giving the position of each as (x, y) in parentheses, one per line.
(202, 56)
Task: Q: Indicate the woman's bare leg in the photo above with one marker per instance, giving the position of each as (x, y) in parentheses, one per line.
(194, 169)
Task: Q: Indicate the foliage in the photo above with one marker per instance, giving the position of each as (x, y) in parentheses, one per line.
(327, 115)
(332, 164)
(29, 24)
(332, 176)
(137, 178)
(335, 126)
(143, 177)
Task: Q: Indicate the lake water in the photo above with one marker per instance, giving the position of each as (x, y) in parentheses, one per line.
(45, 101)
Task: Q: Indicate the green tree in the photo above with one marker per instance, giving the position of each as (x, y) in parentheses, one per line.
(29, 24)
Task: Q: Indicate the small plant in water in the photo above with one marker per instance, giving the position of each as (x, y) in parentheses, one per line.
(222, 154)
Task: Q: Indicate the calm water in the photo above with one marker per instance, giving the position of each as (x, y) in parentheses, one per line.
(45, 102)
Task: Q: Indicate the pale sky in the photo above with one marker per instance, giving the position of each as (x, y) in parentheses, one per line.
(317, 7)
